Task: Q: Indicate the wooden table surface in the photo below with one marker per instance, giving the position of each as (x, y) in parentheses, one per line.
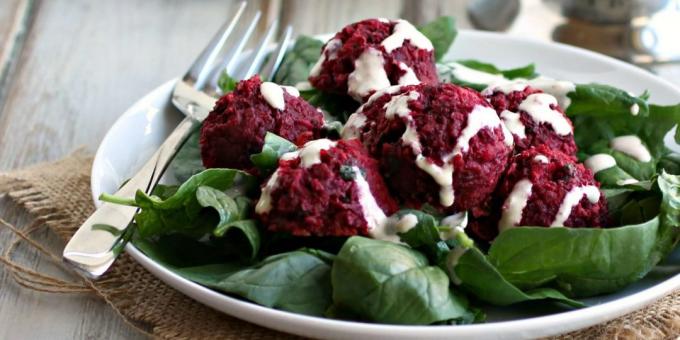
(69, 68)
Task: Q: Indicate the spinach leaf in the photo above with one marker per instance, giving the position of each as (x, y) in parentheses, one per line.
(385, 282)
(467, 266)
(426, 235)
(587, 261)
(233, 216)
(592, 127)
(297, 62)
(527, 72)
(482, 279)
(297, 281)
(338, 106)
(441, 32)
(604, 100)
(181, 211)
(488, 73)
(226, 83)
(274, 147)
(188, 160)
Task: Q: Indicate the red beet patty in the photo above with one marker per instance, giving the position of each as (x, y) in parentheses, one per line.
(373, 54)
(442, 144)
(236, 127)
(326, 188)
(533, 117)
(545, 187)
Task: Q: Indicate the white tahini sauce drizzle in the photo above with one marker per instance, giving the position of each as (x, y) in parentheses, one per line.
(537, 105)
(264, 204)
(512, 121)
(541, 159)
(356, 121)
(373, 214)
(273, 94)
(632, 146)
(291, 90)
(627, 181)
(481, 117)
(304, 86)
(310, 153)
(571, 199)
(599, 162)
(402, 31)
(457, 222)
(409, 77)
(514, 204)
(398, 105)
(560, 89)
(635, 109)
(353, 126)
(406, 223)
(330, 52)
(452, 261)
(368, 75)
(470, 75)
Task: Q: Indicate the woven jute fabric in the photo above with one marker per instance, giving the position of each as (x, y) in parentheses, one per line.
(57, 197)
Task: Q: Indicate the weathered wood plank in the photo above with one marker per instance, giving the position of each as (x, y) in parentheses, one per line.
(85, 62)
(15, 20)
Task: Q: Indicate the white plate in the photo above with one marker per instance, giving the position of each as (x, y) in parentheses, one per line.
(137, 133)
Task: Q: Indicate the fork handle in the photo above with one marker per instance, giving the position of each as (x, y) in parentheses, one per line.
(91, 249)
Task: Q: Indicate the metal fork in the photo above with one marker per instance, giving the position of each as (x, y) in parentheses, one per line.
(95, 246)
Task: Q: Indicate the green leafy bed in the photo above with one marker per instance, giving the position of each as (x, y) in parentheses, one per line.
(204, 231)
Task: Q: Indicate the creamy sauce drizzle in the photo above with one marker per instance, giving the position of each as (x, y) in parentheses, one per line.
(273, 94)
(310, 153)
(373, 214)
(560, 89)
(409, 77)
(537, 105)
(514, 205)
(632, 146)
(571, 199)
(470, 75)
(541, 159)
(512, 121)
(368, 75)
(398, 105)
(264, 204)
(599, 162)
(352, 128)
(406, 223)
(627, 181)
(291, 90)
(635, 109)
(452, 261)
(457, 222)
(402, 31)
(330, 51)
(481, 117)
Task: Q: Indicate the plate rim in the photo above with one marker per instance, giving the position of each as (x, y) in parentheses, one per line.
(290, 322)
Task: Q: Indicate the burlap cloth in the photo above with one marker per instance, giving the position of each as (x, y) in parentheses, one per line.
(57, 197)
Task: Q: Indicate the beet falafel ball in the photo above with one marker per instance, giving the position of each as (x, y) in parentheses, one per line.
(373, 54)
(326, 188)
(236, 127)
(438, 144)
(533, 117)
(545, 187)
